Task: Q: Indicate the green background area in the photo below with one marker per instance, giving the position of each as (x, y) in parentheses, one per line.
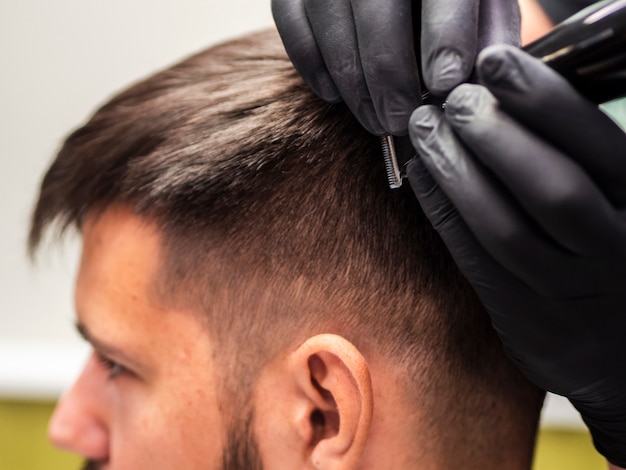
(24, 445)
(23, 440)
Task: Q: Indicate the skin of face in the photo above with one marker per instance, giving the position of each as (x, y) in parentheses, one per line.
(147, 397)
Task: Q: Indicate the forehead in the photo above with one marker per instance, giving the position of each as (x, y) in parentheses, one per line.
(116, 241)
(115, 287)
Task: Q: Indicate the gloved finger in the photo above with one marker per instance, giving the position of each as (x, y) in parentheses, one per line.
(499, 22)
(492, 283)
(449, 39)
(442, 215)
(552, 188)
(496, 220)
(537, 96)
(385, 38)
(335, 33)
(471, 258)
(299, 41)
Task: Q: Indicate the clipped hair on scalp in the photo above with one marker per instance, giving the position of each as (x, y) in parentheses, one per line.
(277, 203)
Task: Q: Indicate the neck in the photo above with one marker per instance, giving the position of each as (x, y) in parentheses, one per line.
(459, 438)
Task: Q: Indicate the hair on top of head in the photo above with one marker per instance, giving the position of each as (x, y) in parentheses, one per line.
(229, 151)
(231, 155)
(231, 142)
(173, 137)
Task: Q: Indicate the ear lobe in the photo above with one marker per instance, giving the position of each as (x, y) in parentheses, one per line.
(334, 377)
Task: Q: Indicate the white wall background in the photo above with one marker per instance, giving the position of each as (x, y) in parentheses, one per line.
(59, 60)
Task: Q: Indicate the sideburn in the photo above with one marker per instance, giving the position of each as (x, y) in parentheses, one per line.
(241, 451)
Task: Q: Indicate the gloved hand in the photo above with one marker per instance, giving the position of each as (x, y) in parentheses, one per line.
(525, 181)
(364, 51)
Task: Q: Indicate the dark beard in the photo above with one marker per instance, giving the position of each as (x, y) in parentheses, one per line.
(91, 465)
(240, 453)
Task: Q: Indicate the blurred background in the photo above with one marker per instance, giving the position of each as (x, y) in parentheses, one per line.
(60, 60)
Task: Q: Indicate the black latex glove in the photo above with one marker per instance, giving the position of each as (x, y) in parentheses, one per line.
(525, 181)
(363, 51)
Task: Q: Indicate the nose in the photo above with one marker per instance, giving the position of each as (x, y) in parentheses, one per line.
(78, 423)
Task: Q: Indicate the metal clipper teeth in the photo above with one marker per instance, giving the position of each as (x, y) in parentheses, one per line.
(391, 162)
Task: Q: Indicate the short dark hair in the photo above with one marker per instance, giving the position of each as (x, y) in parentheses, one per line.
(277, 203)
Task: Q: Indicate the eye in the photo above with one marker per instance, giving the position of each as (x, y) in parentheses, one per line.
(114, 369)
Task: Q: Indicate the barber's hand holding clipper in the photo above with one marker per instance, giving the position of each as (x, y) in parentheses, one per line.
(363, 51)
(526, 184)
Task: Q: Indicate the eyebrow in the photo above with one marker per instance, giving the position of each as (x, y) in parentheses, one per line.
(102, 347)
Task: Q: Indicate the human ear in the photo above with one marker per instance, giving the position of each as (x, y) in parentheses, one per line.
(336, 402)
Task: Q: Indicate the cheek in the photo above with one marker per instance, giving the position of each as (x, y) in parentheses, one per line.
(172, 427)
(198, 423)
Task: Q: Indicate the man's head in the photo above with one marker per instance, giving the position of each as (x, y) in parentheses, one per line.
(270, 297)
